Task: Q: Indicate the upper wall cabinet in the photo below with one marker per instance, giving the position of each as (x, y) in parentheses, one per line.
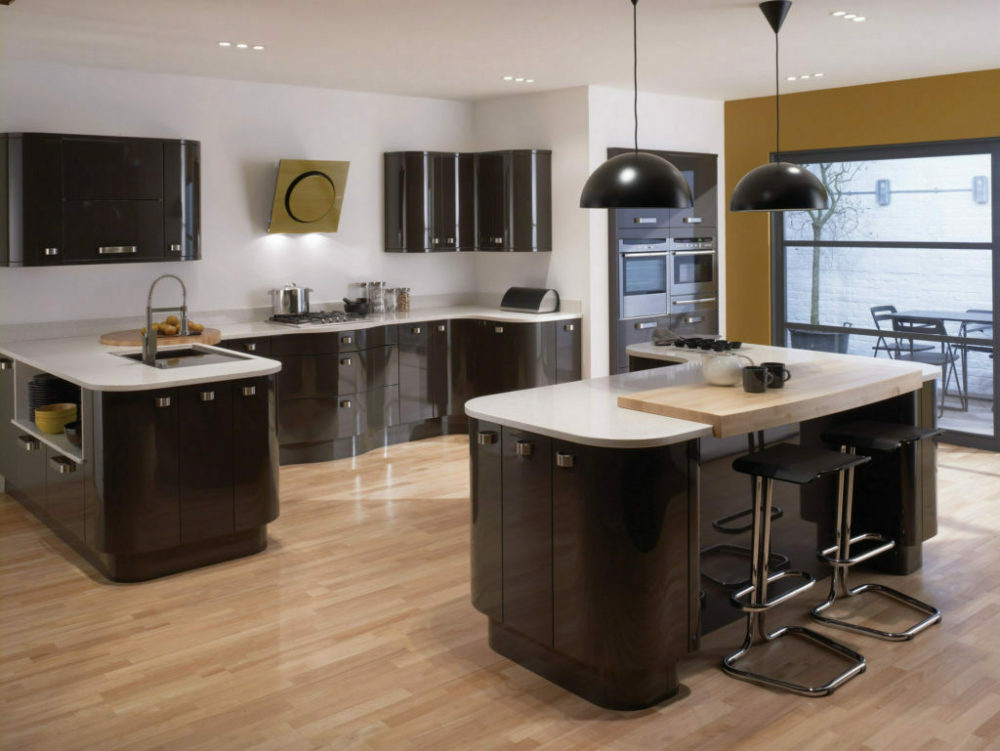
(514, 201)
(701, 173)
(92, 199)
(429, 203)
(497, 201)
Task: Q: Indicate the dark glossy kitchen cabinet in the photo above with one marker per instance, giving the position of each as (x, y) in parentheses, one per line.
(701, 173)
(429, 205)
(569, 351)
(581, 559)
(514, 201)
(254, 345)
(423, 370)
(64, 493)
(205, 463)
(92, 199)
(8, 432)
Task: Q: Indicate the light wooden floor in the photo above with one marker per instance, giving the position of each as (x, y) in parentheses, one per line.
(354, 631)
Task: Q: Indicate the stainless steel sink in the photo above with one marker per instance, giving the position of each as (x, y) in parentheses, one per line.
(182, 358)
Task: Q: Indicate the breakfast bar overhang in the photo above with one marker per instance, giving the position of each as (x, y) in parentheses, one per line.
(593, 502)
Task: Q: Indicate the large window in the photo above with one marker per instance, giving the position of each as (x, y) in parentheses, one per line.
(902, 264)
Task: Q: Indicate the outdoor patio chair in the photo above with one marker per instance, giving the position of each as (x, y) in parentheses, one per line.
(890, 345)
(946, 357)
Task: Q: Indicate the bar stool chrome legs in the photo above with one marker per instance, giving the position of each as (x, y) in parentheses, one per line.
(874, 436)
(800, 465)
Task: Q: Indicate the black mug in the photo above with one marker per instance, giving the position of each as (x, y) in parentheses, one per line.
(779, 372)
(756, 378)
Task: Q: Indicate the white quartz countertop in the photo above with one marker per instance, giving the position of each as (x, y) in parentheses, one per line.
(83, 360)
(587, 411)
(764, 353)
(266, 328)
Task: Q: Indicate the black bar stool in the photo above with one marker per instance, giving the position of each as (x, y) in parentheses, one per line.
(800, 465)
(868, 436)
(729, 525)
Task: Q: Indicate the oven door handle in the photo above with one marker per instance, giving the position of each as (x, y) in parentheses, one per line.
(690, 302)
(692, 252)
(651, 254)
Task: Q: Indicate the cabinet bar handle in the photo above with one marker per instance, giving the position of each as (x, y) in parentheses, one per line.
(442, 327)
(249, 390)
(250, 347)
(162, 401)
(486, 437)
(498, 329)
(28, 443)
(51, 251)
(524, 448)
(114, 250)
(345, 403)
(435, 240)
(564, 459)
(347, 340)
(692, 252)
(415, 330)
(646, 325)
(451, 240)
(346, 361)
(208, 396)
(6, 364)
(692, 220)
(62, 465)
(689, 302)
(644, 220)
(175, 247)
(693, 319)
(569, 327)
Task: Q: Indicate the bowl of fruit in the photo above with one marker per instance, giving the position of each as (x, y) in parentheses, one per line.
(171, 326)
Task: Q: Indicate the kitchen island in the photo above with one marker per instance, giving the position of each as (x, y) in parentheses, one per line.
(589, 520)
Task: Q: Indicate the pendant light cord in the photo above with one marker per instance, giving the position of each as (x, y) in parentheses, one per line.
(777, 108)
(635, 73)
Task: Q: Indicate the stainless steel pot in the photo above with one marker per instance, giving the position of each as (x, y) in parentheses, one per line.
(289, 300)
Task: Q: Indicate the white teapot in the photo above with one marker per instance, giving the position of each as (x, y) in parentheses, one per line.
(724, 368)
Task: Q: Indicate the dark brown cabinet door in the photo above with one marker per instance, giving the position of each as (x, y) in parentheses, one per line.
(181, 205)
(37, 159)
(642, 218)
(9, 456)
(527, 533)
(466, 202)
(141, 505)
(255, 453)
(27, 478)
(568, 351)
(260, 345)
(64, 493)
(701, 172)
(529, 195)
(487, 515)
(527, 355)
(407, 212)
(112, 168)
(414, 379)
(99, 230)
(205, 454)
(444, 200)
(491, 209)
(463, 363)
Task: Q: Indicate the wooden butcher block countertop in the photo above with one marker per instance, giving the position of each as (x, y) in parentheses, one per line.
(817, 388)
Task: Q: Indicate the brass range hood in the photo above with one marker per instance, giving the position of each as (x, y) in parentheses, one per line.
(308, 196)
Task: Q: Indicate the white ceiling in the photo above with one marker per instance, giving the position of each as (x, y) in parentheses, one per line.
(719, 49)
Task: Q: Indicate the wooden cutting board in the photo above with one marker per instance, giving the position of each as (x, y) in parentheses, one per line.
(817, 388)
(133, 338)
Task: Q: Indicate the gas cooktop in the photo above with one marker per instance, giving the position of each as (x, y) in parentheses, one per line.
(317, 318)
(716, 345)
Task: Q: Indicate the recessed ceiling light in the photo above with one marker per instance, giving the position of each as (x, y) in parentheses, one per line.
(792, 78)
(258, 46)
(242, 45)
(804, 76)
(839, 13)
(508, 78)
(858, 18)
(529, 80)
(519, 80)
(817, 75)
(850, 15)
(225, 44)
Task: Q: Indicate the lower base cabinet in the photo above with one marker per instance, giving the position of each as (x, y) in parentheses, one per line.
(581, 559)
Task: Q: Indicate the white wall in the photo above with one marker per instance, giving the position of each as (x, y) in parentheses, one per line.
(555, 120)
(244, 128)
(667, 123)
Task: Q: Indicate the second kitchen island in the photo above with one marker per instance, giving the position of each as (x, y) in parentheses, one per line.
(589, 520)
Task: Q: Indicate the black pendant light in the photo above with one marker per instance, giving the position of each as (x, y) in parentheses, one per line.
(636, 180)
(778, 185)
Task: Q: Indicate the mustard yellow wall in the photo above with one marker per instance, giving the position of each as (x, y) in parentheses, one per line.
(942, 108)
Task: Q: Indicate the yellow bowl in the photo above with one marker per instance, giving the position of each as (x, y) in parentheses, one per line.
(52, 418)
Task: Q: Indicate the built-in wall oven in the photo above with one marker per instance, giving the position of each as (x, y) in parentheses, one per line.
(644, 274)
(693, 267)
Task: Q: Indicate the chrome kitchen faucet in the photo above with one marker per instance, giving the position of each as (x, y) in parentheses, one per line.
(149, 338)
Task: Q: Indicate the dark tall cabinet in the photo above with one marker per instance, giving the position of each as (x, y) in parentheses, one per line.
(92, 199)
